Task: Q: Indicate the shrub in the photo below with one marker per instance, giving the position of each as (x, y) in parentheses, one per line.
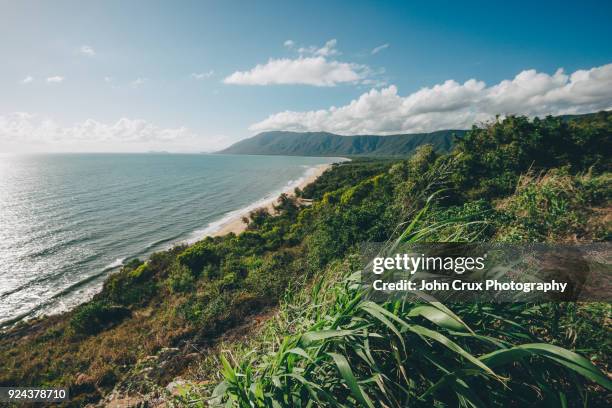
(493, 156)
(257, 218)
(229, 281)
(335, 347)
(180, 279)
(198, 255)
(93, 317)
(234, 266)
(131, 286)
(553, 206)
(268, 278)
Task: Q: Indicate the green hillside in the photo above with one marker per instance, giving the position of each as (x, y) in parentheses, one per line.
(275, 317)
(329, 144)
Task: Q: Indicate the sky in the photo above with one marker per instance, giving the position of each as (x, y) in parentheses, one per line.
(135, 76)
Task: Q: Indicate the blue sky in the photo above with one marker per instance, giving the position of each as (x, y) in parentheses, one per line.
(181, 76)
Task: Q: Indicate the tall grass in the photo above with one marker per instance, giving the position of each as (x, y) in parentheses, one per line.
(339, 349)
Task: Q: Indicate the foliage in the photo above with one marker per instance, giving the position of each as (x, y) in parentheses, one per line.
(511, 180)
(345, 350)
(93, 317)
(329, 144)
(553, 206)
(492, 157)
(199, 255)
(132, 285)
(181, 279)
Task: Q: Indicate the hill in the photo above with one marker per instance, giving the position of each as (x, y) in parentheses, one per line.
(329, 144)
(281, 301)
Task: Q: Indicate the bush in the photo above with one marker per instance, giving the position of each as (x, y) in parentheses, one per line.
(180, 279)
(553, 206)
(492, 157)
(229, 281)
(131, 286)
(96, 316)
(268, 279)
(199, 255)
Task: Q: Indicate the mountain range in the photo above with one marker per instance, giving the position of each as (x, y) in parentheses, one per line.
(330, 144)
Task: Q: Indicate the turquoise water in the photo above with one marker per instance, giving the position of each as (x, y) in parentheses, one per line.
(67, 221)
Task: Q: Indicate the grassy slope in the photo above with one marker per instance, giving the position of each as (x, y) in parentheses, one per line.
(184, 298)
(330, 318)
(187, 297)
(331, 346)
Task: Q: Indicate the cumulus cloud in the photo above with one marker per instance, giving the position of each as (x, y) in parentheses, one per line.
(27, 79)
(317, 71)
(312, 66)
(378, 49)
(55, 79)
(87, 51)
(29, 132)
(202, 75)
(455, 105)
(21, 131)
(27, 127)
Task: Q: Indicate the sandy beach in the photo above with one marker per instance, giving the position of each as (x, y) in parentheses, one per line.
(236, 225)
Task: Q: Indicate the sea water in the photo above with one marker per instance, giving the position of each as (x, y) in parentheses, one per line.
(69, 220)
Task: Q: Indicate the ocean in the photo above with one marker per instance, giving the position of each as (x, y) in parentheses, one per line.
(69, 220)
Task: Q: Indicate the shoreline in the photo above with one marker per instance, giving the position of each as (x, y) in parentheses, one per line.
(233, 220)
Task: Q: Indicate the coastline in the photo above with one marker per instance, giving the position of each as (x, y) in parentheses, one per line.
(232, 222)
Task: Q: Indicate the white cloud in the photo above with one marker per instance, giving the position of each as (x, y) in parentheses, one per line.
(87, 51)
(202, 75)
(108, 79)
(20, 131)
(55, 79)
(312, 67)
(24, 127)
(327, 50)
(379, 48)
(454, 105)
(138, 82)
(27, 80)
(317, 71)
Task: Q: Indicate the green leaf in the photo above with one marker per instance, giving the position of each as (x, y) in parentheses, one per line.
(445, 341)
(557, 354)
(438, 317)
(376, 312)
(310, 337)
(300, 352)
(228, 371)
(345, 371)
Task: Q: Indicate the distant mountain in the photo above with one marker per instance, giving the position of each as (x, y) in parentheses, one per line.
(329, 144)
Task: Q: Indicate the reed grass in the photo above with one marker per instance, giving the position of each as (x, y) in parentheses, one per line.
(337, 348)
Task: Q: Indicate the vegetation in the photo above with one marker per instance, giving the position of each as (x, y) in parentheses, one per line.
(327, 344)
(332, 346)
(329, 144)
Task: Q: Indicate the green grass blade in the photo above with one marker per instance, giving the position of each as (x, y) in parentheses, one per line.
(345, 371)
(557, 354)
(438, 317)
